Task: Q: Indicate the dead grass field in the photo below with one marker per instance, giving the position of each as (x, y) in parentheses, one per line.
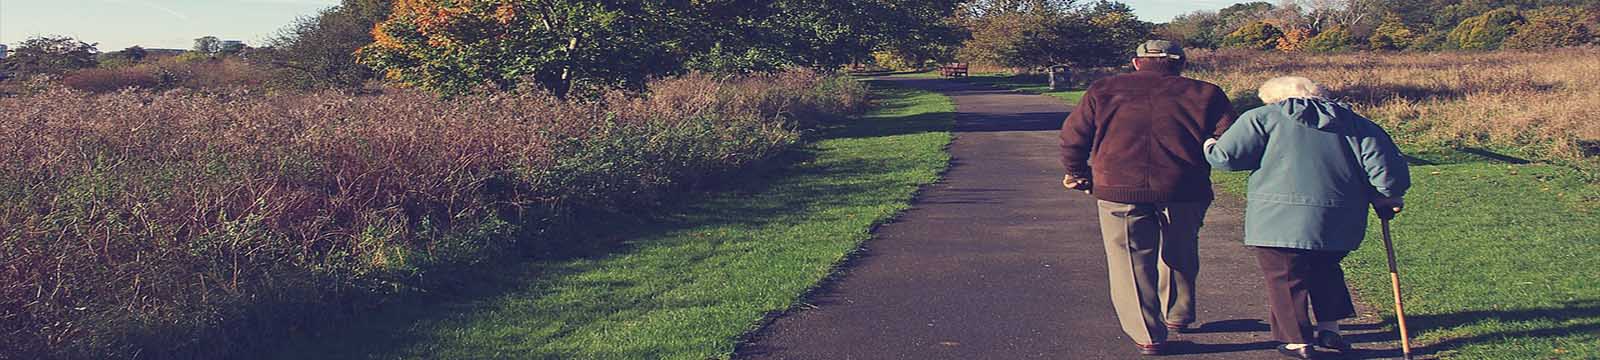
(1538, 105)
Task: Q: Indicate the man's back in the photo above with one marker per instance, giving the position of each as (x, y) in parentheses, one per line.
(1143, 132)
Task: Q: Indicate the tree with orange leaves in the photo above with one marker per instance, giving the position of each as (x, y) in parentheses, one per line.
(462, 46)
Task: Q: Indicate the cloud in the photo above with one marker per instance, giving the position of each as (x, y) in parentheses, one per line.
(152, 5)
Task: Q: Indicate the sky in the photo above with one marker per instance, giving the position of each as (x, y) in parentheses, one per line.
(174, 24)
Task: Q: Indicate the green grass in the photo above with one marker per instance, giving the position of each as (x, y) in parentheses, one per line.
(686, 284)
(1028, 83)
(1498, 260)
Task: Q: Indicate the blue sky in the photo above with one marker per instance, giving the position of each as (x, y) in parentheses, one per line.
(117, 24)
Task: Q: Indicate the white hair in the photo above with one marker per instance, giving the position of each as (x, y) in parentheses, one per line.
(1290, 87)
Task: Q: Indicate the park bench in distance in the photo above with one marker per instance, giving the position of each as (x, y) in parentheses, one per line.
(953, 70)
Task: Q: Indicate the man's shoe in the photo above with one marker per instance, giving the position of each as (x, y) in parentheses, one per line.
(1179, 328)
(1301, 353)
(1332, 340)
(1155, 349)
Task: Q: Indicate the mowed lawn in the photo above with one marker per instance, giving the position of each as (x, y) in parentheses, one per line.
(689, 284)
(1498, 260)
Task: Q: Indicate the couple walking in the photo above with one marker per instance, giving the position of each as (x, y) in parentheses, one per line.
(1144, 144)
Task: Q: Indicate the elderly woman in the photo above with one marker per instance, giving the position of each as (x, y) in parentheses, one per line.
(1316, 166)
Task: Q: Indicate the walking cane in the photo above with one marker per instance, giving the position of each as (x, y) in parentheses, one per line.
(1394, 279)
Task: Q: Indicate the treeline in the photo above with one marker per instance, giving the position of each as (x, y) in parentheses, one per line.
(1410, 25)
(588, 47)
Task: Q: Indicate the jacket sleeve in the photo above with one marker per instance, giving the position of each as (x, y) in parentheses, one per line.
(1223, 113)
(1077, 137)
(1240, 147)
(1386, 167)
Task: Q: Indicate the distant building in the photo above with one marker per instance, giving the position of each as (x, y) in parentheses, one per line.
(232, 46)
(3, 52)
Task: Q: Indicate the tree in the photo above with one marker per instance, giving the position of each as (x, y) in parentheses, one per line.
(1258, 35)
(1555, 26)
(1485, 31)
(1119, 32)
(319, 51)
(48, 55)
(134, 53)
(1392, 34)
(459, 46)
(1045, 34)
(1197, 29)
(1336, 39)
(207, 45)
(1237, 16)
(1357, 17)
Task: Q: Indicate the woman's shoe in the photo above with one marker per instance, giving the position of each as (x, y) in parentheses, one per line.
(1301, 353)
(1332, 340)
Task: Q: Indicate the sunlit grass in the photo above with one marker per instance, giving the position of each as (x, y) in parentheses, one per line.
(1497, 259)
(688, 284)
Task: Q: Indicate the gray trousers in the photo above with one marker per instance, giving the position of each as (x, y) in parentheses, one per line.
(1153, 256)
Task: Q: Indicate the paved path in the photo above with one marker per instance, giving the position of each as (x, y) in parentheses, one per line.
(998, 262)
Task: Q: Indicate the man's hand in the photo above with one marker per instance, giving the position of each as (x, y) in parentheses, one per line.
(1387, 208)
(1076, 183)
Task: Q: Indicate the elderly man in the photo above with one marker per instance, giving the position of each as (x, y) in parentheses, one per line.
(1317, 165)
(1134, 143)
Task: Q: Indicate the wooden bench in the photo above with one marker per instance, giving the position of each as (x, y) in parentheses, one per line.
(953, 70)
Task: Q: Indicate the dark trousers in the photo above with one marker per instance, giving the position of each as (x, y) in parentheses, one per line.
(1297, 279)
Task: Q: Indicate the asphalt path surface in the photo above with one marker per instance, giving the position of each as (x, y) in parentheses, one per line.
(997, 261)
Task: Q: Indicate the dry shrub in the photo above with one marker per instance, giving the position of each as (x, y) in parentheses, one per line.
(171, 73)
(185, 224)
(1544, 102)
(111, 79)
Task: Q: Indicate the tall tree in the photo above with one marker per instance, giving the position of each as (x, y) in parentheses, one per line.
(1041, 34)
(319, 51)
(48, 55)
(207, 45)
(562, 45)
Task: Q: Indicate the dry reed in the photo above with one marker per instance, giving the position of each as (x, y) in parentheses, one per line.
(1543, 104)
(182, 224)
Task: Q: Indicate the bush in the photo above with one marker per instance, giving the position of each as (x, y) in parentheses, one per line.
(892, 61)
(1392, 34)
(1485, 31)
(1293, 39)
(1433, 41)
(111, 79)
(171, 73)
(1552, 27)
(1258, 35)
(195, 225)
(1328, 41)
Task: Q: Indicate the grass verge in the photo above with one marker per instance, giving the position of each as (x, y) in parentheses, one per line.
(689, 283)
(1028, 83)
(1496, 261)
(1496, 254)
